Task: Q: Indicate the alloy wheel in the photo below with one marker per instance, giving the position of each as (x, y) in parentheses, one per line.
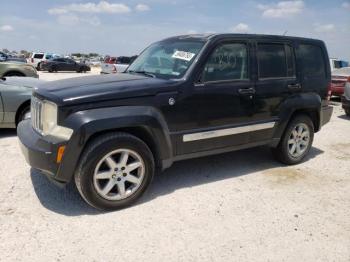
(299, 140)
(119, 174)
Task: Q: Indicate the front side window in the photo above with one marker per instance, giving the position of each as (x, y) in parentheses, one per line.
(167, 59)
(227, 62)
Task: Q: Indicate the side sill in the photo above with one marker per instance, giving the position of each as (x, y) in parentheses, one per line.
(166, 163)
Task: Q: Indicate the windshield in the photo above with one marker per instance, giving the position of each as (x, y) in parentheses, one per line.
(167, 59)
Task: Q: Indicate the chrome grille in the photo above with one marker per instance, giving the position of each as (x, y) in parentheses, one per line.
(36, 114)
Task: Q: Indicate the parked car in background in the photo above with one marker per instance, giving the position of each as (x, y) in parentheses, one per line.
(112, 65)
(336, 63)
(7, 57)
(94, 62)
(183, 97)
(339, 78)
(37, 58)
(15, 94)
(63, 64)
(346, 97)
(13, 68)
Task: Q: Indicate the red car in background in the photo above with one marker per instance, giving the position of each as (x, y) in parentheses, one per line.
(339, 78)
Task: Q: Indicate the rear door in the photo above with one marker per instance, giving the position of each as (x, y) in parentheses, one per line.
(275, 81)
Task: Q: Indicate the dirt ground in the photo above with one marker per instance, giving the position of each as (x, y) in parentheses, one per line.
(240, 206)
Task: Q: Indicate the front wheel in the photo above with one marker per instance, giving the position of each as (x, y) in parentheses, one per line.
(296, 141)
(114, 171)
(24, 114)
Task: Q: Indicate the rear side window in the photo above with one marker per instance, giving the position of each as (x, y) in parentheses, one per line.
(312, 59)
(39, 56)
(275, 61)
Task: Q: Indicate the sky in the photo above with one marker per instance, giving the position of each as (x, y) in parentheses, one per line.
(127, 27)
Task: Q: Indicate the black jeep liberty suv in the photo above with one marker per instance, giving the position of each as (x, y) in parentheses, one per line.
(183, 97)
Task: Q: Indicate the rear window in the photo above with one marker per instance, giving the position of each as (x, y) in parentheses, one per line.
(39, 56)
(275, 60)
(312, 59)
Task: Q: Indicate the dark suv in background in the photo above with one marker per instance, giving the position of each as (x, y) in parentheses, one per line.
(183, 97)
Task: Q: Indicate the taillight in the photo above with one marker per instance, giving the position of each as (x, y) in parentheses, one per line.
(32, 59)
(329, 91)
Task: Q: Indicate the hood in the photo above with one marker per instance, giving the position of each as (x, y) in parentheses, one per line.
(102, 87)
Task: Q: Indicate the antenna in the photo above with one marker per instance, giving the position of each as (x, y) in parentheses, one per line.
(285, 32)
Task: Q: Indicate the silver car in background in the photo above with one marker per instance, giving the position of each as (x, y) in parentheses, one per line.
(15, 94)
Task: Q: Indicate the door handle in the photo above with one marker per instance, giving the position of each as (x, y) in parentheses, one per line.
(246, 91)
(294, 86)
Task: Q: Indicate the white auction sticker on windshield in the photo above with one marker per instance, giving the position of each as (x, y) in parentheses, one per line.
(183, 55)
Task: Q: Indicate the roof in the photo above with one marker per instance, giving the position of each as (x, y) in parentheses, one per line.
(206, 37)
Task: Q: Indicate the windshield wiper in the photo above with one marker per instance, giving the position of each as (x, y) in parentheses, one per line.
(142, 72)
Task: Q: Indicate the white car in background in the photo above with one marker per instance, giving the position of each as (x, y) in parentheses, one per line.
(112, 65)
(36, 58)
(337, 63)
(94, 62)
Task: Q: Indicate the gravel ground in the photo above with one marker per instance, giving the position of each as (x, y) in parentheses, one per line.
(240, 206)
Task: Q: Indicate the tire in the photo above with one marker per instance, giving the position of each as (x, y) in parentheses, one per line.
(38, 67)
(52, 69)
(92, 186)
(283, 151)
(24, 114)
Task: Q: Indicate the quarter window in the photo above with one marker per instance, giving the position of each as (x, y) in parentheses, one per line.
(275, 61)
(227, 62)
(312, 60)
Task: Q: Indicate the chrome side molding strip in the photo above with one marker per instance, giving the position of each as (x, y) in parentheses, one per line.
(227, 131)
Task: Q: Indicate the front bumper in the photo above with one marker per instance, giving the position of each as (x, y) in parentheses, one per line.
(345, 103)
(40, 152)
(326, 114)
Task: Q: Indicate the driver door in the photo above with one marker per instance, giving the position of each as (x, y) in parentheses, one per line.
(215, 112)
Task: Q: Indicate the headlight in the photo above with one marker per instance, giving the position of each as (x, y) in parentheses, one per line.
(49, 123)
(44, 119)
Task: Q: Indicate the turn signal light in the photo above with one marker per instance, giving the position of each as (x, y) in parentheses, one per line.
(60, 153)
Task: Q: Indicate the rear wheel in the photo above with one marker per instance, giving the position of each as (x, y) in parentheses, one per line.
(114, 171)
(296, 141)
